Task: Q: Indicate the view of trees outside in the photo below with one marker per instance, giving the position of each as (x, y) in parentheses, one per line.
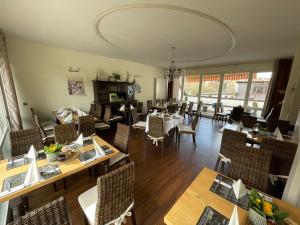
(191, 88)
(209, 92)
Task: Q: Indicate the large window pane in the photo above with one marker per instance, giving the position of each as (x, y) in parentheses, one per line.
(234, 90)
(191, 88)
(258, 92)
(209, 92)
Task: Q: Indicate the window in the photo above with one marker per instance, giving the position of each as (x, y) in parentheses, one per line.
(191, 88)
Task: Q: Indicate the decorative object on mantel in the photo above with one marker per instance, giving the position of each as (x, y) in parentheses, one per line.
(75, 86)
(136, 86)
(262, 212)
(99, 74)
(174, 70)
(74, 70)
(116, 76)
(127, 76)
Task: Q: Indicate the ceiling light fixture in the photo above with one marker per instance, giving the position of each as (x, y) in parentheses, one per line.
(174, 70)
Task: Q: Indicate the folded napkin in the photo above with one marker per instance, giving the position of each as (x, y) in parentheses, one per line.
(122, 108)
(154, 112)
(81, 113)
(240, 127)
(131, 107)
(279, 136)
(157, 104)
(74, 108)
(60, 110)
(239, 189)
(33, 175)
(79, 140)
(98, 150)
(69, 119)
(234, 219)
(165, 105)
(64, 113)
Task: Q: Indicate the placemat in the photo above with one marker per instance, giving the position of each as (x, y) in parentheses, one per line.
(22, 160)
(89, 156)
(212, 217)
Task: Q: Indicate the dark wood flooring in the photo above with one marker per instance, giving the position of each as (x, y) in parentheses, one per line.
(160, 179)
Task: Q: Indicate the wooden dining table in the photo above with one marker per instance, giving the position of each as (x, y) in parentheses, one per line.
(255, 138)
(67, 169)
(189, 207)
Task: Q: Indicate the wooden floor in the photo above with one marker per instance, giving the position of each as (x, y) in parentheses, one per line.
(160, 179)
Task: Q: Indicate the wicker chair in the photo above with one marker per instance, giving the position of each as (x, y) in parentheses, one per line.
(190, 112)
(149, 106)
(92, 109)
(121, 143)
(47, 125)
(182, 109)
(137, 124)
(251, 165)
(47, 135)
(65, 133)
(106, 120)
(283, 125)
(156, 130)
(53, 213)
(248, 121)
(21, 141)
(198, 111)
(86, 125)
(283, 154)
(111, 198)
(229, 138)
(236, 114)
(191, 130)
(172, 108)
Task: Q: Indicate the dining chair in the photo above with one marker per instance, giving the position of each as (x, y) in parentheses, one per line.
(92, 109)
(198, 110)
(158, 101)
(156, 131)
(191, 130)
(182, 109)
(55, 212)
(236, 113)
(111, 200)
(106, 121)
(112, 118)
(121, 143)
(283, 154)
(189, 112)
(86, 125)
(283, 125)
(137, 124)
(149, 106)
(47, 125)
(47, 135)
(229, 138)
(21, 141)
(163, 101)
(65, 133)
(172, 108)
(98, 111)
(248, 121)
(251, 165)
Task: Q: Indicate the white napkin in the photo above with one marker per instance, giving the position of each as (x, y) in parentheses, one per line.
(239, 189)
(60, 110)
(64, 113)
(279, 136)
(81, 113)
(74, 108)
(122, 108)
(165, 105)
(234, 219)
(157, 104)
(68, 119)
(154, 112)
(98, 150)
(79, 140)
(131, 107)
(33, 174)
(32, 153)
(240, 127)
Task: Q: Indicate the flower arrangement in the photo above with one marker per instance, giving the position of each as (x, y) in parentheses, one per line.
(266, 209)
(53, 148)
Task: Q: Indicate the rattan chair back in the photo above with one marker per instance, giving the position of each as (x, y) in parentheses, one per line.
(38, 125)
(135, 117)
(229, 138)
(115, 193)
(98, 111)
(122, 137)
(86, 125)
(248, 121)
(283, 125)
(53, 213)
(195, 122)
(158, 101)
(190, 109)
(107, 115)
(65, 133)
(236, 113)
(182, 109)
(21, 141)
(156, 126)
(251, 165)
(92, 109)
(140, 107)
(283, 154)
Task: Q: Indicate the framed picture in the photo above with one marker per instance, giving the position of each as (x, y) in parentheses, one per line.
(75, 86)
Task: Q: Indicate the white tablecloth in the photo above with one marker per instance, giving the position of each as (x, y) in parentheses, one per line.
(169, 123)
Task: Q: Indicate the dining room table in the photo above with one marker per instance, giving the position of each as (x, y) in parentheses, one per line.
(66, 169)
(253, 136)
(201, 194)
(75, 116)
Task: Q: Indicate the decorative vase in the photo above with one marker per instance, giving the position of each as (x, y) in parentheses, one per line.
(51, 157)
(256, 218)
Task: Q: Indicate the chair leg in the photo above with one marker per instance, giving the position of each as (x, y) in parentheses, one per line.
(54, 186)
(65, 183)
(194, 140)
(25, 203)
(217, 163)
(90, 172)
(133, 220)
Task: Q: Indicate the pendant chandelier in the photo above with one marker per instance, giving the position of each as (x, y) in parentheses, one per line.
(174, 71)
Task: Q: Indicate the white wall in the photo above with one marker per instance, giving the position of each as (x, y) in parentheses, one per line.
(291, 102)
(40, 74)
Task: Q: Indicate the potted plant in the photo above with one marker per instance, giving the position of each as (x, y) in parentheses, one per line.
(116, 76)
(262, 212)
(52, 151)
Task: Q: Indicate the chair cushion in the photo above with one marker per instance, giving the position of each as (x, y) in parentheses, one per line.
(116, 117)
(102, 125)
(119, 157)
(49, 127)
(140, 124)
(88, 202)
(187, 129)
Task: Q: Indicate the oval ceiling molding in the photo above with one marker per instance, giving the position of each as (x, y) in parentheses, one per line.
(100, 18)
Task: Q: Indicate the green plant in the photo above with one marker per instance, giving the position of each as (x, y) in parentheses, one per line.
(52, 148)
(266, 209)
(116, 76)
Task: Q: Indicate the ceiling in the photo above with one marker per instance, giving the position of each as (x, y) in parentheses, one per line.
(204, 32)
